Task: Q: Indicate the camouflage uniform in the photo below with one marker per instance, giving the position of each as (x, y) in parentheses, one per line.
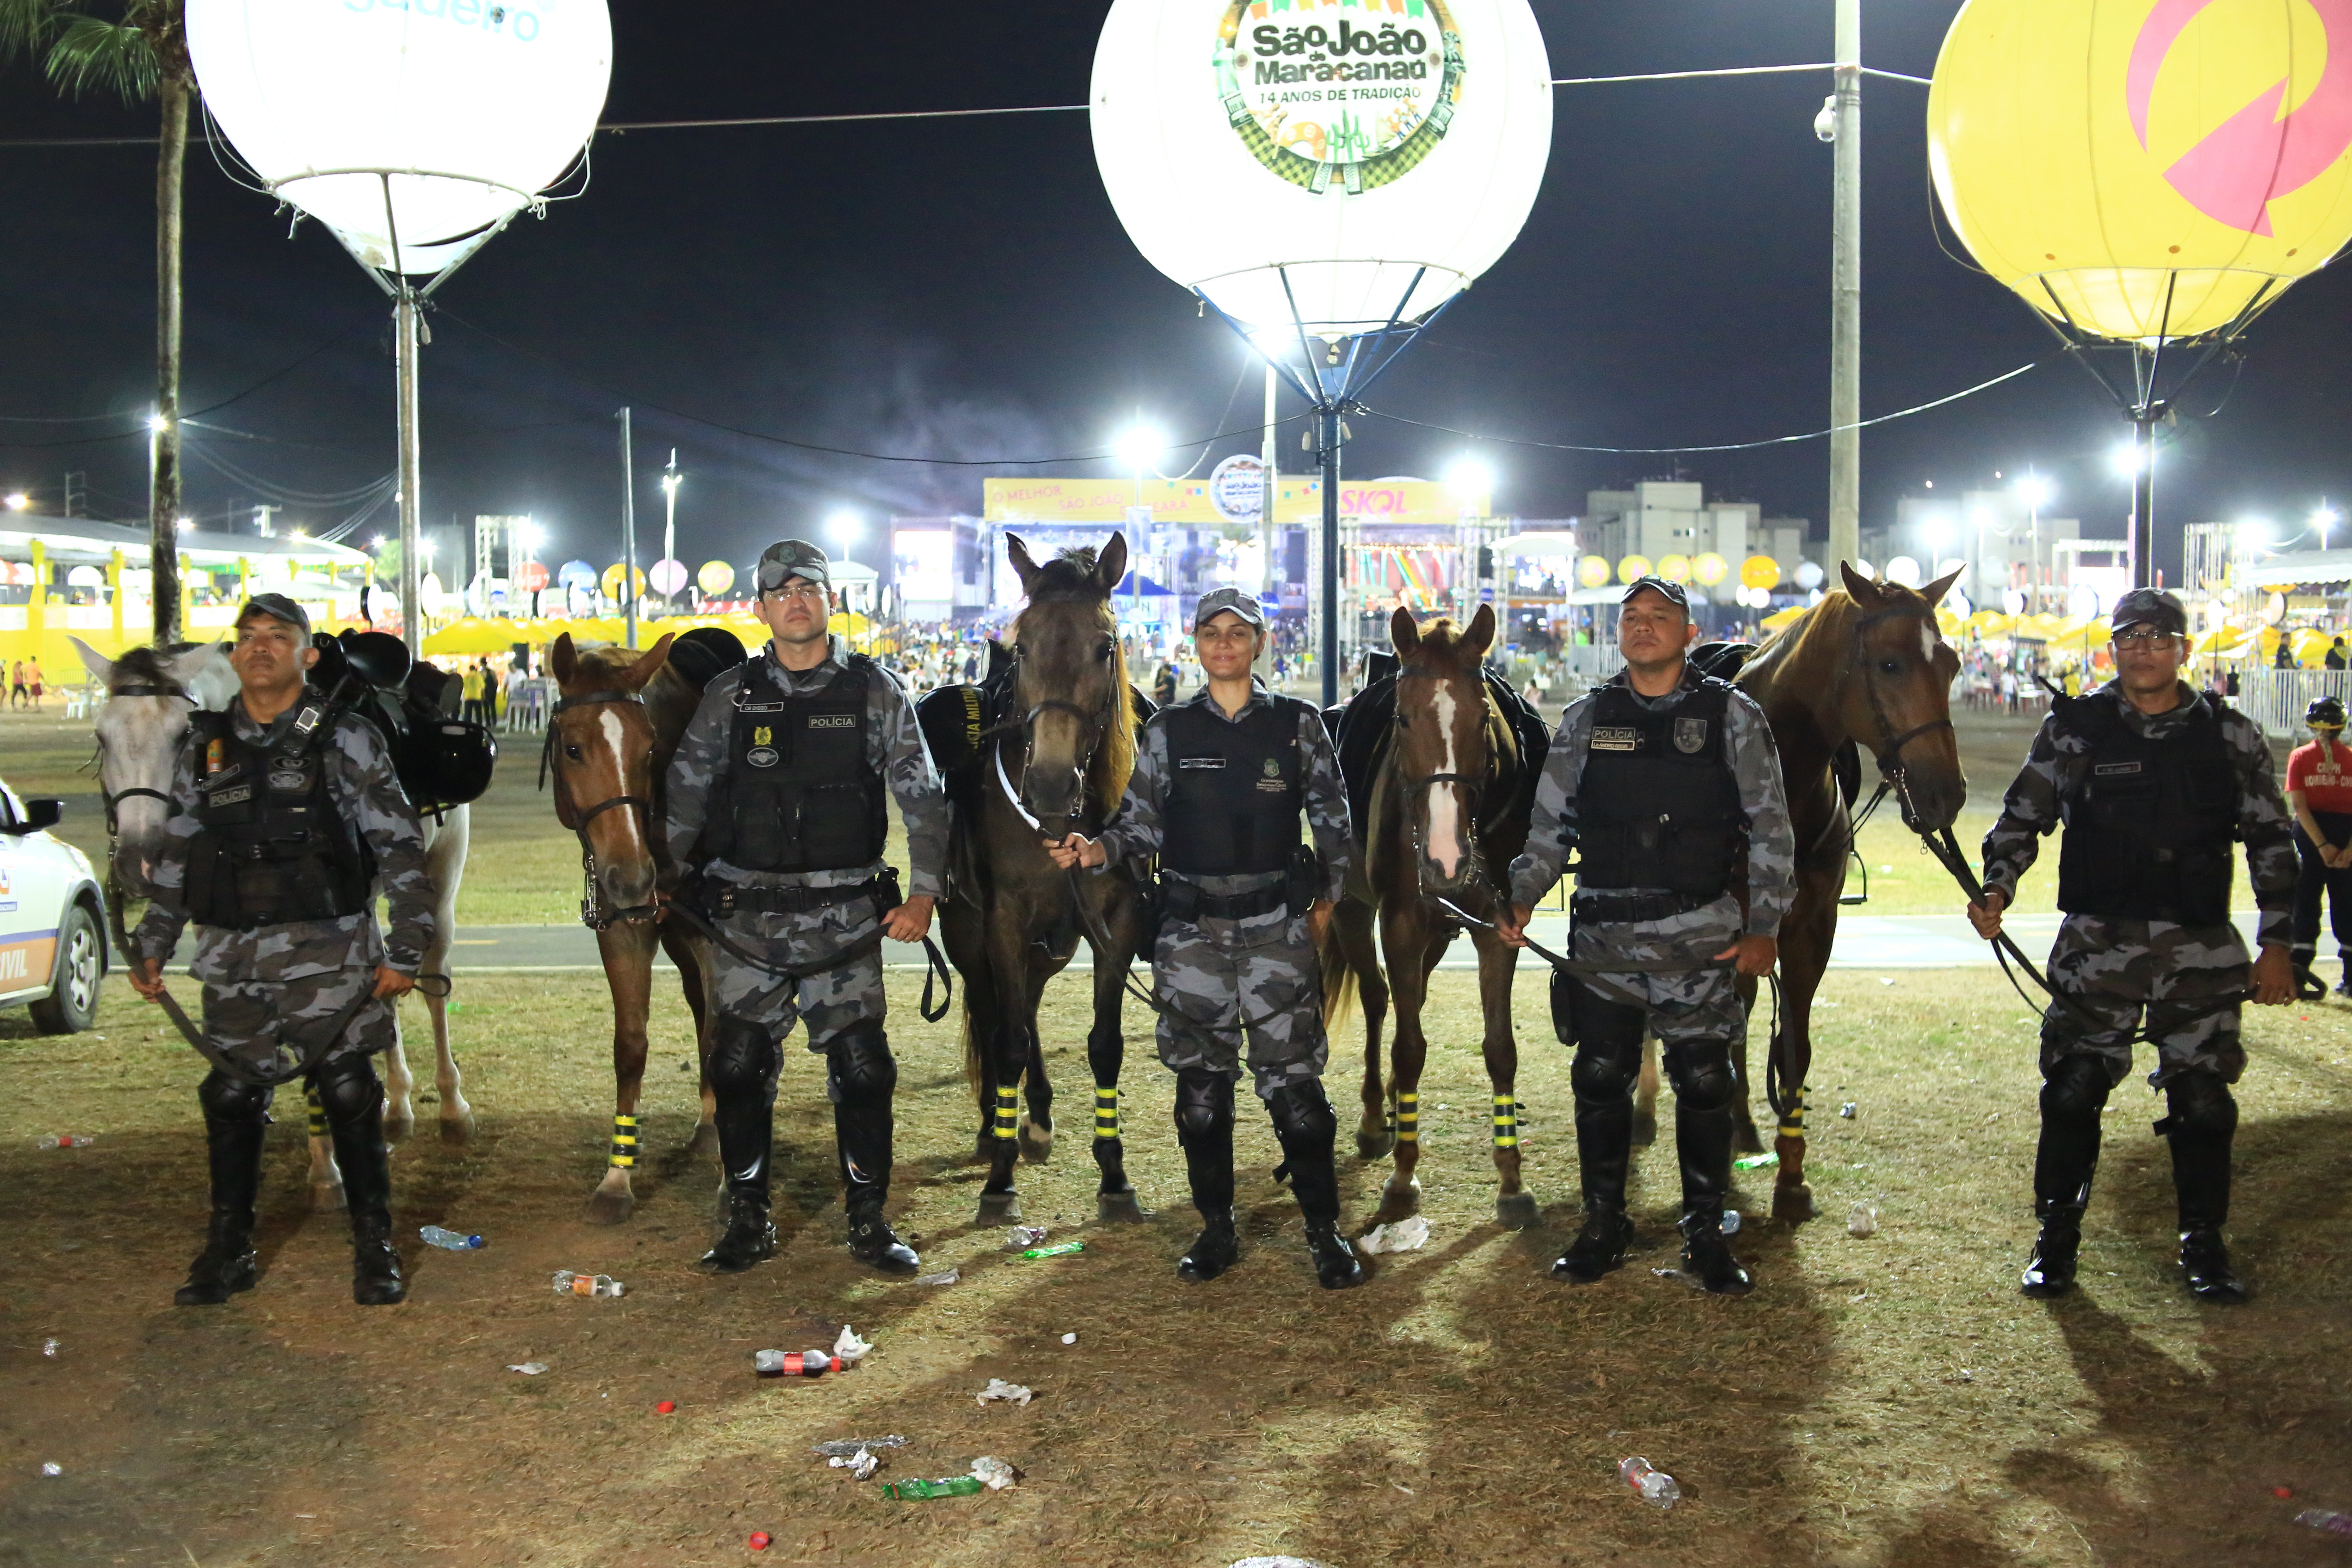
(2118, 970)
(843, 1003)
(1696, 1012)
(1258, 975)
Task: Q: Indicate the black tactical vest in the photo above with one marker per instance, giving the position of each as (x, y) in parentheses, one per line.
(272, 847)
(1234, 790)
(2148, 823)
(1657, 805)
(797, 795)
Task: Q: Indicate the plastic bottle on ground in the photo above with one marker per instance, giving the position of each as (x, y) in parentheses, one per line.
(791, 1363)
(950, 1486)
(450, 1240)
(67, 1140)
(2325, 1520)
(568, 1283)
(1649, 1483)
(1062, 1251)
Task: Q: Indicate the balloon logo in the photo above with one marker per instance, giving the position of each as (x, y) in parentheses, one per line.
(2254, 156)
(1709, 568)
(1633, 568)
(715, 578)
(1675, 568)
(1385, 86)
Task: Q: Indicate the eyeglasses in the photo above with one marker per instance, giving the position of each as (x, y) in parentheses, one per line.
(2142, 636)
(803, 589)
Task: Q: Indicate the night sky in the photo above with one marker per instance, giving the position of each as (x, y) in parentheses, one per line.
(962, 288)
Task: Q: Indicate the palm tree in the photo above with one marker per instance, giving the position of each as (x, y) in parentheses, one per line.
(140, 53)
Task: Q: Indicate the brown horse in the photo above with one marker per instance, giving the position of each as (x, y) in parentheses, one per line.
(1447, 813)
(1864, 668)
(1056, 762)
(619, 718)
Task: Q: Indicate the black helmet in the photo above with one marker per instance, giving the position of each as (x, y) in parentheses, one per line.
(445, 761)
(2325, 713)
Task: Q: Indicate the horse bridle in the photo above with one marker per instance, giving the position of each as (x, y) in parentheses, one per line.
(1888, 752)
(594, 914)
(1414, 785)
(1098, 726)
(171, 806)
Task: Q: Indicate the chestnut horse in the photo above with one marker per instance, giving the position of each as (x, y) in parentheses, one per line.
(1446, 814)
(1055, 761)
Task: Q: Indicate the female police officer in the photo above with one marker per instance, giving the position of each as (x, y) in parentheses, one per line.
(1219, 784)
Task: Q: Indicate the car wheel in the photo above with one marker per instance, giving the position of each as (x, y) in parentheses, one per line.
(73, 1005)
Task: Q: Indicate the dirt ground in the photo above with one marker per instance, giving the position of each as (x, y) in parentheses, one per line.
(1888, 1401)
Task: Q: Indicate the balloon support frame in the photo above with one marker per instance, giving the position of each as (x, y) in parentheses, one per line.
(1342, 370)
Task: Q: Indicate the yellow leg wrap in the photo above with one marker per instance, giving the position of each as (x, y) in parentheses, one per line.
(1792, 1121)
(1105, 1112)
(1408, 1116)
(624, 1142)
(318, 1113)
(1506, 1121)
(1008, 1108)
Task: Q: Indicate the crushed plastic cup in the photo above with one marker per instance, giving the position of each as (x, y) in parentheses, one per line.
(1846, 1110)
(992, 1473)
(1021, 1236)
(861, 1465)
(849, 1350)
(1863, 1221)
(944, 1277)
(1403, 1236)
(1649, 1483)
(1755, 1161)
(49, 1347)
(2327, 1522)
(527, 1368)
(53, 1470)
(1069, 1339)
(1009, 1393)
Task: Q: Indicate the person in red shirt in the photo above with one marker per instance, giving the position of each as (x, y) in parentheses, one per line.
(2319, 793)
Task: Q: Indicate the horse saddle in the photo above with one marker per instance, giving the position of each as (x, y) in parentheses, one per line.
(442, 761)
(1359, 733)
(706, 653)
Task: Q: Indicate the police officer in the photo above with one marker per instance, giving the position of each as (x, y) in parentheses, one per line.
(1219, 784)
(2319, 796)
(287, 822)
(776, 802)
(2153, 781)
(1658, 779)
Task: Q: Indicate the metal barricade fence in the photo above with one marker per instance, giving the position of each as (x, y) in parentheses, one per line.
(2275, 699)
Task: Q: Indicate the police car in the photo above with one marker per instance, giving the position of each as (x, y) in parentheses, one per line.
(52, 919)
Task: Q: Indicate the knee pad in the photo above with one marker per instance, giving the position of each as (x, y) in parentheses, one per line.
(1302, 1114)
(1701, 1073)
(861, 1064)
(2076, 1085)
(743, 1055)
(226, 1098)
(1204, 1103)
(348, 1088)
(1605, 1074)
(2200, 1104)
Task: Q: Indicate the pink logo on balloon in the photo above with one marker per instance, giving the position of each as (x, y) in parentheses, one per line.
(2253, 157)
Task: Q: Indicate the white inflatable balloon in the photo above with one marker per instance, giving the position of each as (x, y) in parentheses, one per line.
(479, 105)
(1338, 146)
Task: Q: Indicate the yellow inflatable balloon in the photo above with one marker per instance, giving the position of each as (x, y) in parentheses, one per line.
(1593, 571)
(715, 578)
(1760, 571)
(2144, 169)
(1633, 567)
(1675, 568)
(1709, 568)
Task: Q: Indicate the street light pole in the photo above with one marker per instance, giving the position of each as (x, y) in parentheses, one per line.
(1265, 524)
(629, 536)
(412, 466)
(670, 508)
(1845, 293)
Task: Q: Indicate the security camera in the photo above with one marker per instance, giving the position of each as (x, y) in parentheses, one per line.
(1825, 122)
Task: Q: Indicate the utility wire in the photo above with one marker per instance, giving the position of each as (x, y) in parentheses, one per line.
(1721, 446)
(140, 429)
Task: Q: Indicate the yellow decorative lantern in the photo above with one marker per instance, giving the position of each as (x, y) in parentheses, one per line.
(1709, 568)
(1633, 567)
(1760, 571)
(1592, 572)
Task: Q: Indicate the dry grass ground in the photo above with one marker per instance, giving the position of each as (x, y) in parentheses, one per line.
(1889, 1401)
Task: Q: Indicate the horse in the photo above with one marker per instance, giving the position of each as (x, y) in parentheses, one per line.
(150, 694)
(617, 721)
(1864, 668)
(1056, 762)
(1451, 786)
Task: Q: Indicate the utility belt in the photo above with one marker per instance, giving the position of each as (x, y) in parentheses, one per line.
(1632, 909)
(1301, 884)
(721, 900)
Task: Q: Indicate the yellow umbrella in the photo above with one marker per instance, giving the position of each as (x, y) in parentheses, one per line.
(1781, 620)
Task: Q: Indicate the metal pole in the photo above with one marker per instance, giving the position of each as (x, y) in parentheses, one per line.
(1846, 294)
(670, 508)
(629, 537)
(1327, 422)
(412, 476)
(1265, 525)
(2141, 535)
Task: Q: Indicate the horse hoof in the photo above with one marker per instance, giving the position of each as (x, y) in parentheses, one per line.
(1792, 1204)
(1515, 1211)
(396, 1128)
(327, 1197)
(610, 1208)
(1374, 1145)
(996, 1206)
(1398, 1201)
(1745, 1139)
(706, 1142)
(1645, 1128)
(1120, 1209)
(457, 1129)
(1035, 1144)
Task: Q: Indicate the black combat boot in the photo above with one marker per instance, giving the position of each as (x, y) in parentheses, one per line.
(1604, 1146)
(1703, 1140)
(233, 1151)
(354, 1101)
(744, 1061)
(2344, 980)
(2202, 1123)
(1204, 1127)
(1304, 1122)
(2073, 1089)
(862, 1077)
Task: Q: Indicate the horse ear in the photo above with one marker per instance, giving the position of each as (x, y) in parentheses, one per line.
(1934, 592)
(655, 656)
(562, 660)
(1404, 631)
(1859, 588)
(1110, 566)
(1481, 635)
(1018, 554)
(100, 668)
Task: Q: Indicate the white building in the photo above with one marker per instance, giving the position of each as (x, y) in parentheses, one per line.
(1659, 517)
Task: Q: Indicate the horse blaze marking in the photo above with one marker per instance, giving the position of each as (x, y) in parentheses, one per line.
(1506, 1121)
(1008, 1099)
(1408, 1116)
(1105, 1112)
(624, 1140)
